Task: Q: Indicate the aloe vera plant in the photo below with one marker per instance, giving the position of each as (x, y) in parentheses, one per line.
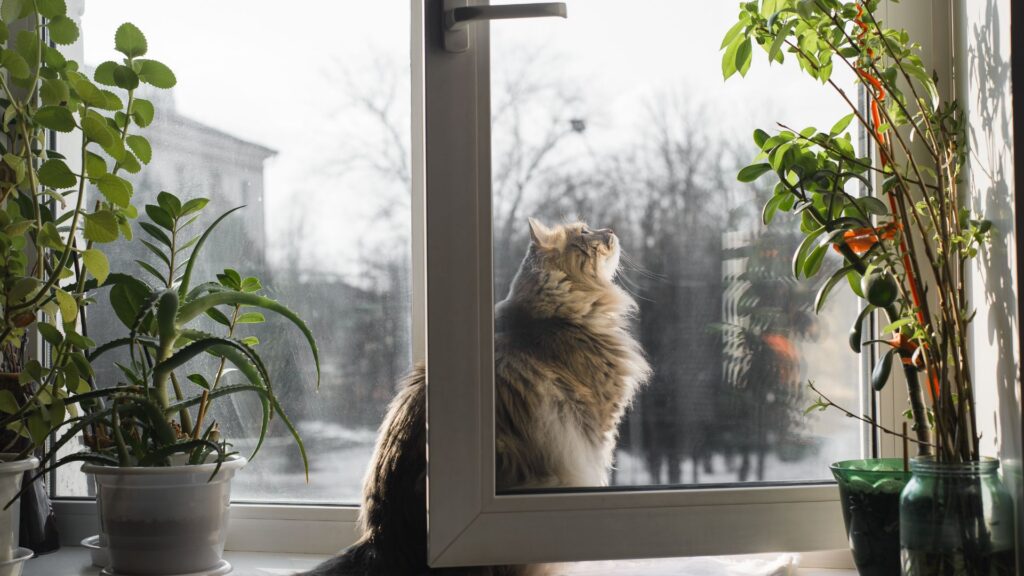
(160, 408)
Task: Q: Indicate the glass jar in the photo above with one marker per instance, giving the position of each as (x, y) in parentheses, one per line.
(869, 492)
(956, 520)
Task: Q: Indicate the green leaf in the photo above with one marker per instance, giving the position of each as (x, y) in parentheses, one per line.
(97, 264)
(115, 189)
(96, 129)
(141, 147)
(125, 77)
(127, 297)
(753, 172)
(855, 339)
(251, 341)
(5, 33)
(218, 317)
(50, 333)
(52, 58)
(826, 288)
(130, 41)
(156, 233)
(193, 205)
(160, 217)
(54, 92)
(8, 405)
(814, 259)
(156, 74)
(142, 112)
(170, 203)
(897, 325)
(775, 51)
(13, 10)
(95, 165)
(199, 380)
(51, 8)
(68, 305)
(15, 64)
(187, 276)
(760, 137)
(101, 226)
(801, 252)
(743, 57)
(729, 59)
(251, 318)
(198, 306)
(56, 118)
(57, 175)
(17, 163)
(104, 73)
(732, 34)
(840, 126)
(63, 30)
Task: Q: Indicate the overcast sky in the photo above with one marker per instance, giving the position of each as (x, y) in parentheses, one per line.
(268, 71)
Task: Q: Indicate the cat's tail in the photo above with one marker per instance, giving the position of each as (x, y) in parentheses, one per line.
(356, 560)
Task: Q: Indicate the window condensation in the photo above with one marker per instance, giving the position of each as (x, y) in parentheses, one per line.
(631, 127)
(301, 114)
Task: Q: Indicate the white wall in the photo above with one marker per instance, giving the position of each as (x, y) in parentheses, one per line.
(983, 85)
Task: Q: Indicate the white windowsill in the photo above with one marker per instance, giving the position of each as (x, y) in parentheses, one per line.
(74, 561)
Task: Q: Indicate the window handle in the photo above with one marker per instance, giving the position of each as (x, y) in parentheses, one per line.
(458, 14)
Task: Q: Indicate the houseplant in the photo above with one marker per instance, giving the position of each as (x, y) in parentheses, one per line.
(153, 432)
(51, 229)
(904, 251)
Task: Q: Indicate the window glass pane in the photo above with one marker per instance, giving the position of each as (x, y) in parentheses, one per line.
(618, 116)
(300, 112)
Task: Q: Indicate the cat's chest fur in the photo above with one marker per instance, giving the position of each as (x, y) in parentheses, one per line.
(566, 369)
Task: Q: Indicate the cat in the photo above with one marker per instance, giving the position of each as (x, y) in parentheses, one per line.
(566, 368)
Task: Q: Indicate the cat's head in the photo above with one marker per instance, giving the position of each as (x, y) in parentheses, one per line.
(577, 250)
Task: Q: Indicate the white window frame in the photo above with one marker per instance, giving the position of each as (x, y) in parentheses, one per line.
(468, 523)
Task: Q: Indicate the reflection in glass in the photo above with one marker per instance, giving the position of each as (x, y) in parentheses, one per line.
(643, 136)
(315, 147)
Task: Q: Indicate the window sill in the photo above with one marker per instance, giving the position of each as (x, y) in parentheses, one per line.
(74, 561)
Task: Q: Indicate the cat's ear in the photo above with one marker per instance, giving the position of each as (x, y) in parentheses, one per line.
(540, 234)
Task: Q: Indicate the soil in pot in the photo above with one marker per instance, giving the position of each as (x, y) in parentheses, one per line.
(869, 492)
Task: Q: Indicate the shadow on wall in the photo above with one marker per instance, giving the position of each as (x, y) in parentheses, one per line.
(991, 173)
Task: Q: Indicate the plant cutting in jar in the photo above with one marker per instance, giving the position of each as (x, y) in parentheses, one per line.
(905, 245)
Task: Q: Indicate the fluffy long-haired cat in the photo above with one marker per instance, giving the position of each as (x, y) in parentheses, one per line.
(566, 368)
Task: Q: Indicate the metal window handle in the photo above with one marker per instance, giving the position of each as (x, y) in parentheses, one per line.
(458, 13)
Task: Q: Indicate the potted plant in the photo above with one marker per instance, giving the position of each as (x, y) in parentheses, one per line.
(905, 252)
(52, 230)
(162, 468)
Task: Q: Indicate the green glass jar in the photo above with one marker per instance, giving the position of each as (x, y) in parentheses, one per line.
(869, 492)
(956, 520)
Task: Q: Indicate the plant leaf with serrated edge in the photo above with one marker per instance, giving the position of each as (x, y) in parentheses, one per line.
(156, 74)
(130, 41)
(141, 147)
(101, 226)
(57, 175)
(96, 263)
(142, 112)
(68, 305)
(115, 189)
(56, 118)
(63, 30)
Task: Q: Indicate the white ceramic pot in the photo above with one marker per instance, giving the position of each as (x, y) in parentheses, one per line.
(11, 473)
(166, 520)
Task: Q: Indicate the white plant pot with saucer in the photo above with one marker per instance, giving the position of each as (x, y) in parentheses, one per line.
(165, 520)
(12, 471)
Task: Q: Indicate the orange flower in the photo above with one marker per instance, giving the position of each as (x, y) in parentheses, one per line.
(860, 240)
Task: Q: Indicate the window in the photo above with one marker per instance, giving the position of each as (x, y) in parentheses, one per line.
(620, 117)
(320, 159)
(617, 115)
